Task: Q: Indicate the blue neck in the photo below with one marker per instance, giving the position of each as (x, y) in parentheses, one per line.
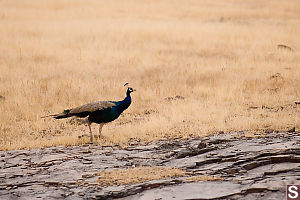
(124, 104)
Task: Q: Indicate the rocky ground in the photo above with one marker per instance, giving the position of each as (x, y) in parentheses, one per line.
(250, 168)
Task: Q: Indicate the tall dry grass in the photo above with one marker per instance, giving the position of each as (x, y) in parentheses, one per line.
(221, 56)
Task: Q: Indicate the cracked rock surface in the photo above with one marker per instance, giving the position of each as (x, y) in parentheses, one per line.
(250, 168)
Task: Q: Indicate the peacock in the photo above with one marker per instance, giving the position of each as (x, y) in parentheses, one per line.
(100, 112)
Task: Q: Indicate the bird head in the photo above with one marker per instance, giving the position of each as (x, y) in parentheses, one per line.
(129, 89)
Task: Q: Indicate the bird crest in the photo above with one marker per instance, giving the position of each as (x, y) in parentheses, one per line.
(126, 84)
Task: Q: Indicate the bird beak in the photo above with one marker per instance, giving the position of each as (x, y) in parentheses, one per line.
(133, 90)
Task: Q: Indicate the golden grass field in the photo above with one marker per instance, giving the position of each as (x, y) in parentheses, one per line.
(221, 56)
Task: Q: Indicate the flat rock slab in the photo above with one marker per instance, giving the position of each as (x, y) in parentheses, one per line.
(250, 168)
(202, 190)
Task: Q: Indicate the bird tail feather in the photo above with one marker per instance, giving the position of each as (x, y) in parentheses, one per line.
(64, 114)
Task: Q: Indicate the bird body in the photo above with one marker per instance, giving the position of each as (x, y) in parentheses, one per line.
(99, 112)
(110, 113)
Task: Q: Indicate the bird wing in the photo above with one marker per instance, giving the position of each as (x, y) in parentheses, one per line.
(92, 107)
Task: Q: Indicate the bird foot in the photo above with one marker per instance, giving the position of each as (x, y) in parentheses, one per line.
(97, 136)
(82, 136)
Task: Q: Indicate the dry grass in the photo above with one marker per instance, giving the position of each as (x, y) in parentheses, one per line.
(144, 174)
(221, 56)
(138, 175)
(203, 178)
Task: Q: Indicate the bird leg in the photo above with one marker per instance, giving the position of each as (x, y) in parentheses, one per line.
(91, 134)
(100, 129)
